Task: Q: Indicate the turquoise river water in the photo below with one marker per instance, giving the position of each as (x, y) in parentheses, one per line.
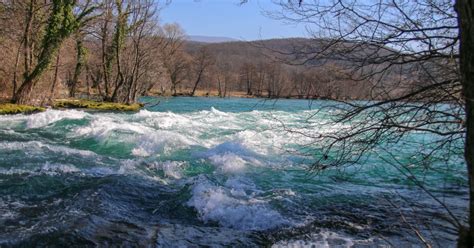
(190, 172)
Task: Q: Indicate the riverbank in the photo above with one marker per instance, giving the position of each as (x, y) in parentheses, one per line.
(73, 103)
(89, 104)
(202, 93)
(10, 108)
(238, 94)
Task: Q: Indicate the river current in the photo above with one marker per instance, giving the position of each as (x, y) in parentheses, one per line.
(189, 172)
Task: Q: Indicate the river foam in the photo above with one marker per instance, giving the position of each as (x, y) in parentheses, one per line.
(38, 147)
(233, 207)
(51, 116)
(323, 239)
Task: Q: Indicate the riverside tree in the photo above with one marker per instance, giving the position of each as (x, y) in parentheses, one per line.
(126, 30)
(175, 60)
(417, 58)
(62, 22)
(201, 62)
(114, 46)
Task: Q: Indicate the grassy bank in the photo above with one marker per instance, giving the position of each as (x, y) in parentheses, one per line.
(88, 104)
(10, 109)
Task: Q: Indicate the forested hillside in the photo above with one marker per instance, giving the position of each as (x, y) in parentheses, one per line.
(271, 68)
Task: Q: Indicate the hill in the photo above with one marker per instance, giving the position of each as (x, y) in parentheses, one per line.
(296, 67)
(208, 39)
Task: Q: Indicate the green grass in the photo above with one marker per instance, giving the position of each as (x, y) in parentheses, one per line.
(88, 104)
(10, 109)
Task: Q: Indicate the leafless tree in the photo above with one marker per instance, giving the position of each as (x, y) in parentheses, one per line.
(223, 76)
(247, 74)
(417, 58)
(200, 63)
(175, 60)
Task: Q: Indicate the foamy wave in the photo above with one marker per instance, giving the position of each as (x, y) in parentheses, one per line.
(238, 210)
(324, 239)
(240, 186)
(217, 112)
(171, 169)
(39, 146)
(50, 116)
(228, 162)
(231, 157)
(148, 140)
(159, 142)
(103, 126)
(259, 131)
(48, 168)
(59, 168)
(165, 120)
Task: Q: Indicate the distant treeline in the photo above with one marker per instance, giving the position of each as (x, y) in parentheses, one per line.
(261, 69)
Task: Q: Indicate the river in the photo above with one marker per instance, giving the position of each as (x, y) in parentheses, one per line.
(188, 172)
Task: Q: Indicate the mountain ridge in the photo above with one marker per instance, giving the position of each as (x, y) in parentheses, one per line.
(209, 39)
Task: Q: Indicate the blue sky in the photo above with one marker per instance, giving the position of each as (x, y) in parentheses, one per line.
(229, 19)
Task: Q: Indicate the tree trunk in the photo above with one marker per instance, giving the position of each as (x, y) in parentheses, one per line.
(26, 36)
(106, 56)
(80, 60)
(105, 69)
(197, 82)
(225, 87)
(55, 80)
(118, 42)
(15, 72)
(23, 94)
(465, 9)
(88, 83)
(173, 88)
(219, 90)
(249, 86)
(118, 86)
